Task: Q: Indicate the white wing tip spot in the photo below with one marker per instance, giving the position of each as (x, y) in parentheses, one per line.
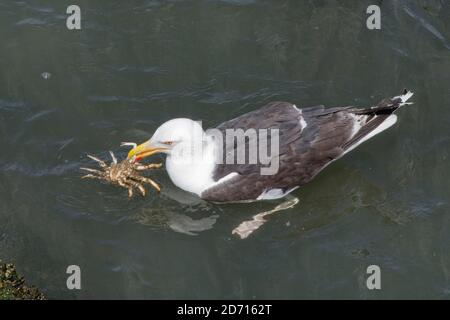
(404, 98)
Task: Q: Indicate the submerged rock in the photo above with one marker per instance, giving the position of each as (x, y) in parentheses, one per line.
(12, 286)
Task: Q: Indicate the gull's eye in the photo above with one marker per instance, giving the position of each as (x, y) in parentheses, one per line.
(169, 143)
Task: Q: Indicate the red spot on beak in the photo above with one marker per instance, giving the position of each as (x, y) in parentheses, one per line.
(138, 159)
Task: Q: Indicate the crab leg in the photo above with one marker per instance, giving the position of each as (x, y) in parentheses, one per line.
(114, 159)
(130, 184)
(132, 144)
(142, 189)
(148, 166)
(92, 170)
(100, 162)
(154, 184)
(91, 176)
(137, 185)
(147, 180)
(126, 185)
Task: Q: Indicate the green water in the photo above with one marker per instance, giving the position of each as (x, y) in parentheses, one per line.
(136, 64)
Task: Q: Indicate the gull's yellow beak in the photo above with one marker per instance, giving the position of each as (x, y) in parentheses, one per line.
(144, 150)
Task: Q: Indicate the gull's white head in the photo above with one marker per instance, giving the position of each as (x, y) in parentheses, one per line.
(168, 136)
(190, 153)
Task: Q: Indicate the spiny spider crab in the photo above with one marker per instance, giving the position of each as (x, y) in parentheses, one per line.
(125, 174)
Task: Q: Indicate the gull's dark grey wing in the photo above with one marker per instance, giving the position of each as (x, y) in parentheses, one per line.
(309, 139)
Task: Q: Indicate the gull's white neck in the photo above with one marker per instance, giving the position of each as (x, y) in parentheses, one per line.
(191, 164)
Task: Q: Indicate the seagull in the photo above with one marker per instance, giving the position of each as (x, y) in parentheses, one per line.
(310, 139)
